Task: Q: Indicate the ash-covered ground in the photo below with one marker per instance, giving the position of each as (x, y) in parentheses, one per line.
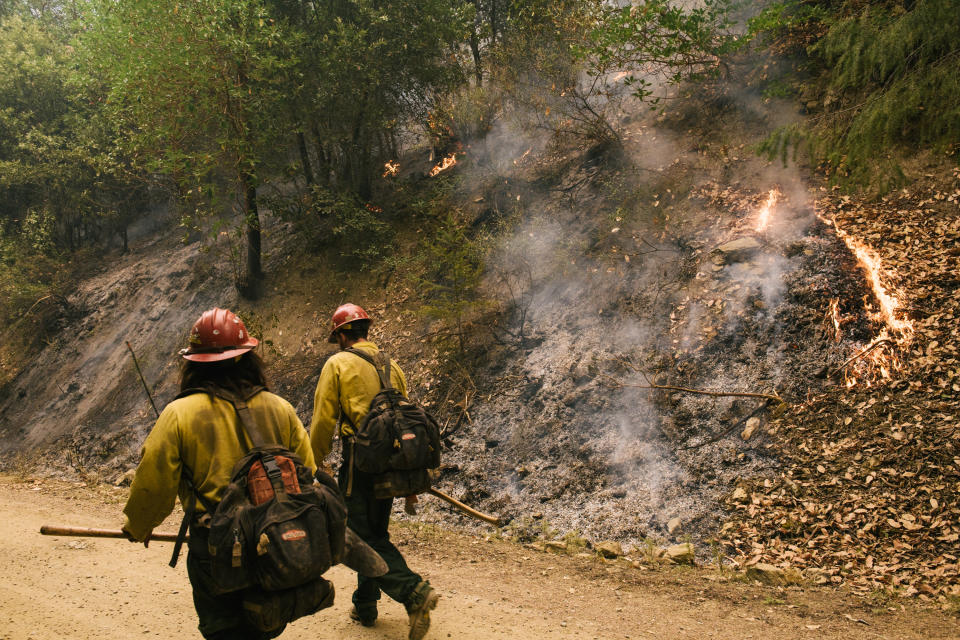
(649, 271)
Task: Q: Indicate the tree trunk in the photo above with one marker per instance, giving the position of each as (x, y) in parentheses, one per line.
(250, 281)
(475, 49)
(323, 157)
(305, 157)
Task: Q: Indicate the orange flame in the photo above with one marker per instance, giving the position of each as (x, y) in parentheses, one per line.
(889, 298)
(763, 219)
(391, 168)
(834, 313)
(444, 164)
(880, 359)
(523, 157)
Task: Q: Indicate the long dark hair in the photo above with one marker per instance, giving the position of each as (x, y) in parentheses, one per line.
(238, 376)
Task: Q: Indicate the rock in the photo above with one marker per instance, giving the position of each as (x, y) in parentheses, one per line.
(673, 526)
(750, 427)
(681, 553)
(740, 495)
(767, 574)
(609, 549)
(738, 250)
(557, 545)
(536, 546)
(125, 479)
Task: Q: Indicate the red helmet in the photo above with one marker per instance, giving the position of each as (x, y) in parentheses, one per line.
(218, 335)
(343, 316)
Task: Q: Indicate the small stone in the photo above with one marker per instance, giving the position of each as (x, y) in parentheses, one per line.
(767, 574)
(738, 250)
(609, 549)
(750, 427)
(673, 525)
(681, 553)
(556, 545)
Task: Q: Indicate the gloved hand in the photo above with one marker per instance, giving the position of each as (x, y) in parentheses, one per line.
(146, 539)
(410, 505)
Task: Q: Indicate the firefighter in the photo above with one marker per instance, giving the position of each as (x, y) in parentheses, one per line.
(196, 440)
(345, 389)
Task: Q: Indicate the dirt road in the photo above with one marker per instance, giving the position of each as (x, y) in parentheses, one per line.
(75, 588)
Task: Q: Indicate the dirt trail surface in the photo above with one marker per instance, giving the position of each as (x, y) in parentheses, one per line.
(77, 588)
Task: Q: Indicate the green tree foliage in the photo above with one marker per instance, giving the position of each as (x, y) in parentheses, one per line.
(889, 74)
(658, 42)
(57, 184)
(371, 69)
(574, 62)
(197, 90)
(454, 265)
(43, 163)
(899, 71)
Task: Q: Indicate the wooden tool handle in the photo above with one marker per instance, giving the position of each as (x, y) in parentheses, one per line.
(87, 532)
(467, 510)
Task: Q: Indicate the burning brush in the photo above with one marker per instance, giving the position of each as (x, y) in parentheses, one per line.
(763, 218)
(391, 168)
(879, 359)
(444, 164)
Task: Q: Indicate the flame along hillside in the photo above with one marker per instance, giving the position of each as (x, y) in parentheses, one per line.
(578, 417)
(868, 492)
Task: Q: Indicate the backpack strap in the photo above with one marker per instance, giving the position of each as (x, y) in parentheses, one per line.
(260, 441)
(384, 375)
(188, 510)
(385, 383)
(248, 424)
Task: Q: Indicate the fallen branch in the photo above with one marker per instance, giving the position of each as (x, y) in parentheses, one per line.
(868, 349)
(702, 392)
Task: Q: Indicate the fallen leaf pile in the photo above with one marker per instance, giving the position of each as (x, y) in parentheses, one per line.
(868, 491)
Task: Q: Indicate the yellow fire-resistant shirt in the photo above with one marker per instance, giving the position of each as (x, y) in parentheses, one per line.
(349, 382)
(202, 431)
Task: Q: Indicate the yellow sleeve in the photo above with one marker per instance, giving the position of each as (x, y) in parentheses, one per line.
(300, 442)
(326, 409)
(397, 379)
(154, 489)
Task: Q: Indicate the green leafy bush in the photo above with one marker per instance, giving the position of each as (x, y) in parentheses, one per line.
(888, 75)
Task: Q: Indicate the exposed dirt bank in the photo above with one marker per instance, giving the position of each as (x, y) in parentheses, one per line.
(74, 588)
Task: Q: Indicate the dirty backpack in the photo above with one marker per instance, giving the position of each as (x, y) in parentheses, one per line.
(274, 532)
(398, 442)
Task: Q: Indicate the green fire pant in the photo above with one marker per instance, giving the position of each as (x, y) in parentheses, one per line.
(369, 517)
(221, 616)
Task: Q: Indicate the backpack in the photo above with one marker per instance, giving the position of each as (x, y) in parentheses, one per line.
(274, 532)
(398, 442)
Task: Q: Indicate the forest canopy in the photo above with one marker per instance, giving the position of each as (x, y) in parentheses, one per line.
(116, 113)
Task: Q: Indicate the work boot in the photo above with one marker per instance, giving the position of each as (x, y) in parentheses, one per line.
(364, 614)
(419, 604)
